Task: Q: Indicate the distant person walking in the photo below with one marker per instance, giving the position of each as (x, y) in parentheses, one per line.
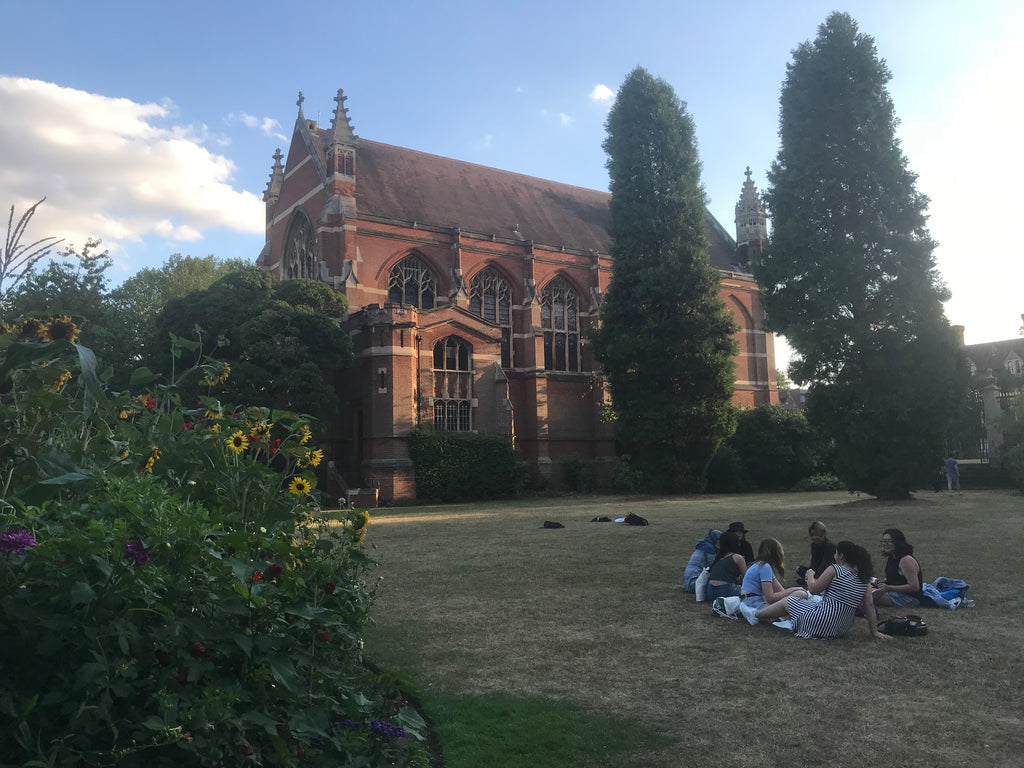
(952, 474)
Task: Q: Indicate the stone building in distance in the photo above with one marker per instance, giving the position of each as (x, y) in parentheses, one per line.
(471, 291)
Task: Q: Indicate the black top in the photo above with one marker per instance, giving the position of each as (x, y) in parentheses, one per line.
(725, 570)
(746, 550)
(894, 578)
(822, 556)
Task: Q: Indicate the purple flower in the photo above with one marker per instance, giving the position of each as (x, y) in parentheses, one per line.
(16, 540)
(387, 729)
(137, 552)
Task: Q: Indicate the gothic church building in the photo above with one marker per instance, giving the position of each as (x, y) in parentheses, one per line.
(470, 291)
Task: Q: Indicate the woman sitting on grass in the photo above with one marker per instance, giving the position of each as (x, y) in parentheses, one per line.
(844, 585)
(728, 569)
(903, 580)
(761, 585)
(702, 557)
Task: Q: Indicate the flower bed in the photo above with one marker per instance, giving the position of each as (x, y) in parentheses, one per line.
(170, 592)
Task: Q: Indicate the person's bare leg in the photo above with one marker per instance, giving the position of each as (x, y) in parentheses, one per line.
(776, 610)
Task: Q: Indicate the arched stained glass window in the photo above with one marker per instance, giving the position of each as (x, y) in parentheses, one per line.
(412, 283)
(560, 321)
(490, 297)
(300, 248)
(453, 385)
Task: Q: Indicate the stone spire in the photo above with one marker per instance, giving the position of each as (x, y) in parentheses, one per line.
(341, 127)
(751, 223)
(341, 151)
(298, 103)
(273, 190)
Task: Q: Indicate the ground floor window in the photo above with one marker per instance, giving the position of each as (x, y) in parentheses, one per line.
(452, 415)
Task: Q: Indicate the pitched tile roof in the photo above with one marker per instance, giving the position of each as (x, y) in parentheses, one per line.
(408, 185)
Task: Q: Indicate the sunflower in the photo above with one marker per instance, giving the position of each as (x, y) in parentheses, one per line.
(61, 327)
(304, 434)
(60, 381)
(299, 486)
(150, 461)
(211, 414)
(5, 329)
(262, 428)
(30, 328)
(237, 442)
(312, 458)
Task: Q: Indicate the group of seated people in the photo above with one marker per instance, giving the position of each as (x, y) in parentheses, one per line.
(841, 574)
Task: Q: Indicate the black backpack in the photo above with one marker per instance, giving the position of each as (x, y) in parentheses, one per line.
(904, 626)
(632, 519)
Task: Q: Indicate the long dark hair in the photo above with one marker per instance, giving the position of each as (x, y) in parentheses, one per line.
(900, 547)
(728, 544)
(858, 559)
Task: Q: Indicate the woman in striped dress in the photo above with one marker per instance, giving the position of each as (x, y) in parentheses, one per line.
(843, 586)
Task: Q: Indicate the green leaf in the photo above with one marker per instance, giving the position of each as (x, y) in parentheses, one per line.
(142, 378)
(245, 643)
(81, 594)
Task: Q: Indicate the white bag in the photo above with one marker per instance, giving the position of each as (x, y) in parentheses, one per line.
(726, 607)
(700, 587)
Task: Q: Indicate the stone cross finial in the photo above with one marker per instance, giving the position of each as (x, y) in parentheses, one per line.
(300, 100)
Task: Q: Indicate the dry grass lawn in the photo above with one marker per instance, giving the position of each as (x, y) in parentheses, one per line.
(481, 598)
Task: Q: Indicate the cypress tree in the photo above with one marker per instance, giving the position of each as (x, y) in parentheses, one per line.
(665, 339)
(849, 275)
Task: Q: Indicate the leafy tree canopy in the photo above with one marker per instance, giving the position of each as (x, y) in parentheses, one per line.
(849, 276)
(665, 339)
(279, 339)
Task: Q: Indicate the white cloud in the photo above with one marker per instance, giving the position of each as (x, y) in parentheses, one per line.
(602, 93)
(564, 119)
(109, 169)
(268, 126)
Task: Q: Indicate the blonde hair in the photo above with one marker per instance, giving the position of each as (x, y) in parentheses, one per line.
(770, 551)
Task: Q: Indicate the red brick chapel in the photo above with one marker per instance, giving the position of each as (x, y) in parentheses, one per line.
(470, 293)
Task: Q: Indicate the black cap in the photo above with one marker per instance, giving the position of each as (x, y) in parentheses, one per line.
(737, 527)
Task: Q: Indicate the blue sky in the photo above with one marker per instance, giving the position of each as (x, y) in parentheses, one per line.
(153, 126)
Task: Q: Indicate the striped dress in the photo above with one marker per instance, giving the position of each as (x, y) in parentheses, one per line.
(833, 616)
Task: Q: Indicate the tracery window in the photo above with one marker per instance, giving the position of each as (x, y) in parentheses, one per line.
(300, 248)
(490, 297)
(411, 282)
(453, 385)
(560, 321)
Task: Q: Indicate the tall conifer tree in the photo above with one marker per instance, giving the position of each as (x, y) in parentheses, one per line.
(849, 275)
(666, 338)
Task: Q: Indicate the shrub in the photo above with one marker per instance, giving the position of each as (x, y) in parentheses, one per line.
(727, 473)
(626, 478)
(170, 593)
(821, 482)
(463, 466)
(777, 446)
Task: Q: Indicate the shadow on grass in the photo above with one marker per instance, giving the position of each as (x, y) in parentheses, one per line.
(503, 731)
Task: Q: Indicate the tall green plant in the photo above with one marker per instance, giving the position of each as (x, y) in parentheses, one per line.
(170, 592)
(849, 276)
(665, 339)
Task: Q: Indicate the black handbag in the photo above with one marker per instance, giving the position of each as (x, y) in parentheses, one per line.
(903, 626)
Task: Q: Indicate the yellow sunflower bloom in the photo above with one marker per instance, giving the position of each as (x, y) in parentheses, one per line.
(60, 382)
(299, 486)
(124, 454)
(262, 428)
(215, 429)
(238, 442)
(61, 328)
(304, 434)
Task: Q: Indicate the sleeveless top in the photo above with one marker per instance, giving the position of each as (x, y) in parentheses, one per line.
(725, 570)
(894, 578)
